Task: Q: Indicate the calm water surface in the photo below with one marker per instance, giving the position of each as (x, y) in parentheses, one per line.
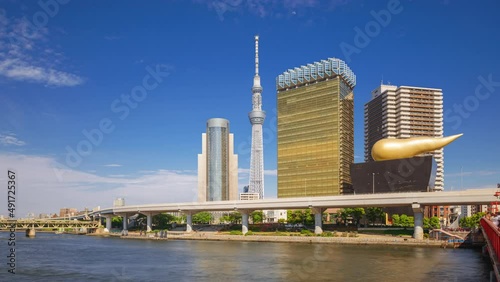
(50, 257)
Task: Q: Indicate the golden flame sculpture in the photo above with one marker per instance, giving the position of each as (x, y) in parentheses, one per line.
(391, 149)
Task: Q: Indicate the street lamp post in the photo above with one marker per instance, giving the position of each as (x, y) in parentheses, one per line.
(373, 182)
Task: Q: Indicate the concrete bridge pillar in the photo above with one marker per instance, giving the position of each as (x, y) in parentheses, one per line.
(318, 220)
(109, 219)
(244, 221)
(189, 221)
(418, 215)
(149, 222)
(30, 232)
(125, 224)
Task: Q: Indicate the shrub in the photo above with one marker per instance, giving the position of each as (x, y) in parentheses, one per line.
(327, 234)
(235, 232)
(249, 233)
(305, 232)
(255, 229)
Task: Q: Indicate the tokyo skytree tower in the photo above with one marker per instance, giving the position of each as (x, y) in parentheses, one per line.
(257, 116)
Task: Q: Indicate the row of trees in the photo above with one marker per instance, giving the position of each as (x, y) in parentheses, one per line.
(234, 217)
(471, 221)
(402, 220)
(300, 216)
(356, 214)
(342, 216)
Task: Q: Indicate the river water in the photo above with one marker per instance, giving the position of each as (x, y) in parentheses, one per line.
(51, 257)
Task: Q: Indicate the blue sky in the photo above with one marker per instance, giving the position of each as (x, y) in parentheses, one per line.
(65, 67)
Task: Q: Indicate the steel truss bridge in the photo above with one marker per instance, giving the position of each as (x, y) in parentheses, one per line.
(48, 223)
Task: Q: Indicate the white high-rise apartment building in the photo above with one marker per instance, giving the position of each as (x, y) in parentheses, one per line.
(404, 112)
(217, 163)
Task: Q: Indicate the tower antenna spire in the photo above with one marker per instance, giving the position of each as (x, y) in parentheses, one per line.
(257, 116)
(256, 55)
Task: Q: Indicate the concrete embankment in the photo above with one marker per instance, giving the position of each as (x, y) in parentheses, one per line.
(361, 240)
(365, 240)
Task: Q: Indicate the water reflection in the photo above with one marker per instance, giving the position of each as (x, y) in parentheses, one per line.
(51, 257)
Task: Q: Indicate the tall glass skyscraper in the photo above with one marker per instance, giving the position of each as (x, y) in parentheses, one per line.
(217, 164)
(315, 129)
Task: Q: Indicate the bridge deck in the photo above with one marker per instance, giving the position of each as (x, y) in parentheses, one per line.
(38, 224)
(492, 237)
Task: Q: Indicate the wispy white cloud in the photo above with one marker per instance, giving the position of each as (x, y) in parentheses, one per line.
(113, 165)
(10, 139)
(41, 190)
(267, 8)
(25, 55)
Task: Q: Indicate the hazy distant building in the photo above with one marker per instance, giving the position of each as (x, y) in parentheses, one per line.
(217, 164)
(249, 196)
(404, 112)
(315, 129)
(66, 212)
(273, 216)
(119, 202)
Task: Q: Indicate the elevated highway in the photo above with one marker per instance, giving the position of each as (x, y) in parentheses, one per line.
(416, 200)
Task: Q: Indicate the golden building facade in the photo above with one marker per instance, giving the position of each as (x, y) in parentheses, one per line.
(315, 129)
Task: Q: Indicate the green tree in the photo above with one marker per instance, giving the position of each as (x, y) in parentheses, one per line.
(257, 216)
(426, 223)
(294, 217)
(343, 214)
(202, 218)
(406, 221)
(434, 222)
(357, 214)
(117, 222)
(162, 220)
(180, 219)
(373, 214)
(281, 220)
(395, 220)
(235, 217)
(308, 217)
(225, 218)
(471, 221)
